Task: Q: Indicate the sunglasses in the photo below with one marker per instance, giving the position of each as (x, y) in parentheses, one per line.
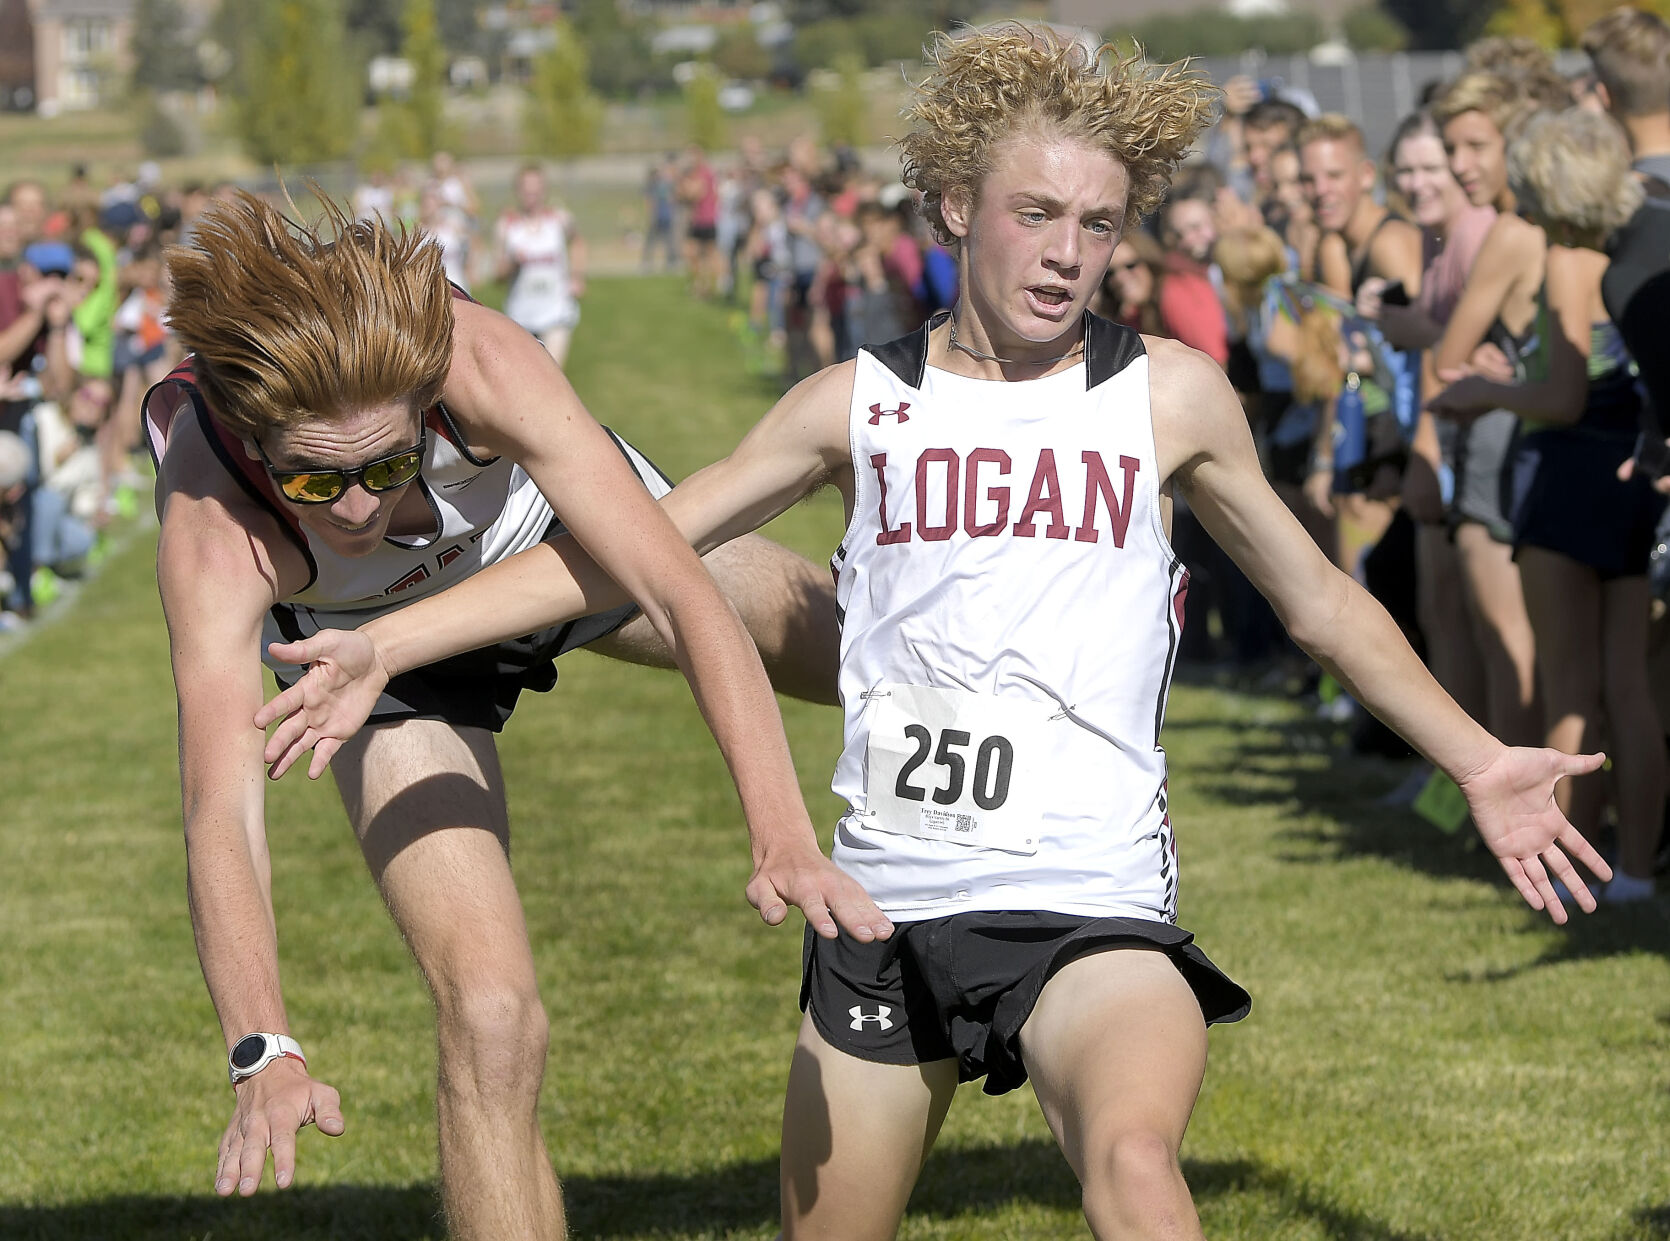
(322, 486)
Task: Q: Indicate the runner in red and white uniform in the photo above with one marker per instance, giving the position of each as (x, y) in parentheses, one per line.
(545, 261)
(349, 436)
(1010, 606)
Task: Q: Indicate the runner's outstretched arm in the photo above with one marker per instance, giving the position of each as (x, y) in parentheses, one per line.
(1207, 449)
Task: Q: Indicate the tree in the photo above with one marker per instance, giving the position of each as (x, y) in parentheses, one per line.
(162, 60)
(738, 54)
(620, 60)
(844, 108)
(421, 48)
(703, 116)
(562, 114)
(1369, 28)
(1529, 19)
(295, 86)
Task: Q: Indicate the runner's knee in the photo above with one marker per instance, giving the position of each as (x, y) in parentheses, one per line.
(493, 1038)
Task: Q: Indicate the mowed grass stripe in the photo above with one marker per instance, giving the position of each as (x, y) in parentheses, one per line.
(1425, 1058)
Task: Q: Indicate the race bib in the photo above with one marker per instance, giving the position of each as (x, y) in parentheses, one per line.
(948, 764)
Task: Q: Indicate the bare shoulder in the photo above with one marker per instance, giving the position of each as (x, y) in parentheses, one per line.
(1195, 411)
(1512, 236)
(813, 414)
(498, 373)
(217, 544)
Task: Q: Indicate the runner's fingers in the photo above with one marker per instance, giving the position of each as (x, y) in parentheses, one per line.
(1516, 874)
(227, 1168)
(283, 737)
(286, 702)
(1545, 889)
(817, 915)
(252, 1158)
(284, 1156)
(323, 751)
(763, 895)
(327, 1111)
(1583, 853)
(1567, 874)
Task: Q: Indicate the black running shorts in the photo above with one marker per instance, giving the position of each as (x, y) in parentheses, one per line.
(961, 987)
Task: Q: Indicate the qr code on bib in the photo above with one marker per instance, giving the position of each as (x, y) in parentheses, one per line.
(949, 822)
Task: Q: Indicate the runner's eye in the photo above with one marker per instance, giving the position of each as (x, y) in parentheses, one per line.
(313, 488)
(395, 472)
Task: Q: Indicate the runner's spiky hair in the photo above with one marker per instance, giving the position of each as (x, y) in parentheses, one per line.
(292, 321)
(989, 85)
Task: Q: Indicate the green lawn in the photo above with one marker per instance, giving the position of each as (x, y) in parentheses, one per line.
(1425, 1058)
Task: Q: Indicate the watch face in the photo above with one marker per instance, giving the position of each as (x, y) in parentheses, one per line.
(247, 1050)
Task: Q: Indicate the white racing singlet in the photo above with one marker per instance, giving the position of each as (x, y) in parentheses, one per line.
(541, 296)
(1010, 610)
(484, 512)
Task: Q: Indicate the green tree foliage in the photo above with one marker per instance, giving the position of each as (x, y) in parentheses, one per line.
(844, 107)
(704, 119)
(875, 39)
(163, 60)
(621, 63)
(1210, 32)
(161, 135)
(422, 49)
(738, 54)
(1369, 28)
(1528, 19)
(295, 85)
(563, 116)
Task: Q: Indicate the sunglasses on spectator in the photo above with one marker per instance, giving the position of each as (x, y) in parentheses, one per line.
(322, 486)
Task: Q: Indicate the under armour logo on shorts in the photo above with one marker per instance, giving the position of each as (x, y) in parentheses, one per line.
(882, 1017)
(877, 413)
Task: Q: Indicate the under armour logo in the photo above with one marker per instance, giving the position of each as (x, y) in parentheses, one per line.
(877, 413)
(882, 1017)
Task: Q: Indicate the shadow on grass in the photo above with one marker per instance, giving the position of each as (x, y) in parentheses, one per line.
(957, 1182)
(1650, 1223)
(1265, 766)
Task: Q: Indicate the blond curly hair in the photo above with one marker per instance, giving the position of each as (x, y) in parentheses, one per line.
(290, 322)
(986, 86)
(1571, 172)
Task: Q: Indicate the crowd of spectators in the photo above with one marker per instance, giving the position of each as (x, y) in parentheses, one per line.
(83, 333)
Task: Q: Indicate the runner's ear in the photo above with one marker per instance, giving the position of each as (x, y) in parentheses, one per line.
(957, 205)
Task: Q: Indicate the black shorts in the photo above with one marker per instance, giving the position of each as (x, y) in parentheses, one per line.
(1568, 500)
(704, 232)
(961, 987)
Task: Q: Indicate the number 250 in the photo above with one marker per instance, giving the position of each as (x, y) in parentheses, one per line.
(993, 762)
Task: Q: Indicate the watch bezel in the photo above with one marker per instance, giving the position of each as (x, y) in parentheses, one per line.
(264, 1045)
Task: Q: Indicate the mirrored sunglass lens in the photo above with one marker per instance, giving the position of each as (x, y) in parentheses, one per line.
(400, 470)
(313, 487)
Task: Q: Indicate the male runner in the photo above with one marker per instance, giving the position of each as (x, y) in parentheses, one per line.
(1010, 607)
(347, 436)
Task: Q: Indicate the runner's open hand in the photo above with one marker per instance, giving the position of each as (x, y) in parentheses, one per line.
(330, 702)
(1512, 800)
(820, 890)
(272, 1108)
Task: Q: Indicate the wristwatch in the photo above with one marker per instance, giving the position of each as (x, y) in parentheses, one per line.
(254, 1052)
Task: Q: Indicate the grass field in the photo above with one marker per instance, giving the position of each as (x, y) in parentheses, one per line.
(1425, 1059)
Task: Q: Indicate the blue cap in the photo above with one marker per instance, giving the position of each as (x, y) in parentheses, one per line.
(50, 258)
